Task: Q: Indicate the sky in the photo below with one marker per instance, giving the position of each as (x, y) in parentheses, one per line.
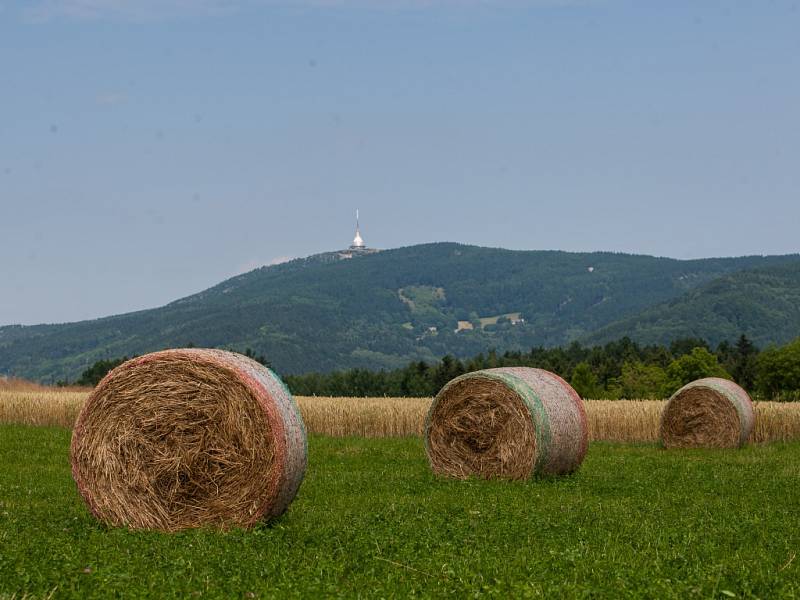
(152, 148)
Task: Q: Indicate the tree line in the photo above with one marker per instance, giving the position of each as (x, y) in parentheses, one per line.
(620, 369)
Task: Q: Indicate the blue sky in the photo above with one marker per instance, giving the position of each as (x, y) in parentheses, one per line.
(150, 149)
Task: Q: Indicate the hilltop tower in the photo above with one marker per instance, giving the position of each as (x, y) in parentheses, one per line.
(358, 242)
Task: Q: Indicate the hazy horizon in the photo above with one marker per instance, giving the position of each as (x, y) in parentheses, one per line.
(150, 150)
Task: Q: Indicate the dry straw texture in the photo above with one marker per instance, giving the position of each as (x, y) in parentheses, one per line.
(509, 423)
(708, 413)
(609, 420)
(48, 408)
(188, 438)
(364, 417)
(624, 420)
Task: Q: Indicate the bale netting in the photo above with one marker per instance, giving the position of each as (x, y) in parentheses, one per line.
(707, 413)
(189, 438)
(509, 423)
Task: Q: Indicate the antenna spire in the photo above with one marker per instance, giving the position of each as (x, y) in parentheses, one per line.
(358, 242)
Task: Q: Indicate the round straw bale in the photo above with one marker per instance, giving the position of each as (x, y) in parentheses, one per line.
(189, 438)
(507, 423)
(707, 413)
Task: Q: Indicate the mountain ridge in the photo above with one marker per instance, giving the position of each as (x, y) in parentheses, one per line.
(323, 312)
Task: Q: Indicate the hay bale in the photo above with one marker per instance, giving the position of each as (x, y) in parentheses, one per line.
(707, 413)
(506, 423)
(189, 438)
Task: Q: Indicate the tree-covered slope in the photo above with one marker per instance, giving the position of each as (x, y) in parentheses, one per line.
(381, 310)
(762, 303)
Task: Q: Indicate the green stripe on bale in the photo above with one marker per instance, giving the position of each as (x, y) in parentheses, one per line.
(707, 413)
(508, 423)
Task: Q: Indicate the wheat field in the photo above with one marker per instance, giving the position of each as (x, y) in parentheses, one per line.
(609, 420)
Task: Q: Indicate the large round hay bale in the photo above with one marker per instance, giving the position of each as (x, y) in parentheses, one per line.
(189, 438)
(507, 423)
(707, 413)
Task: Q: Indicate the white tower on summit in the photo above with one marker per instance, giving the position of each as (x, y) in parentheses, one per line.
(358, 242)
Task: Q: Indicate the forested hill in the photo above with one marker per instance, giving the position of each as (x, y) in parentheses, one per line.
(762, 303)
(384, 309)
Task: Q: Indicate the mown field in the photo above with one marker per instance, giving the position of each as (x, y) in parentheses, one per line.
(372, 521)
(609, 420)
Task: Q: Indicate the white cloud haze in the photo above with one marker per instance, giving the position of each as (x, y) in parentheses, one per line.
(257, 263)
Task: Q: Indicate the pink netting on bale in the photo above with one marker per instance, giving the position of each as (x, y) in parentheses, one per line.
(512, 423)
(189, 438)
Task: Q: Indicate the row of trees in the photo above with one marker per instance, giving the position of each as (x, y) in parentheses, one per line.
(621, 369)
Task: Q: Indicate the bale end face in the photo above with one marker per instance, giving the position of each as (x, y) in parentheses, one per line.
(188, 438)
(507, 423)
(707, 413)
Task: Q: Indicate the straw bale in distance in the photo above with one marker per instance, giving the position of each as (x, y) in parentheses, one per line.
(506, 423)
(707, 413)
(189, 438)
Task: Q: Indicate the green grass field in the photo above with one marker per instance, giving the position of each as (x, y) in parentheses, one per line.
(371, 521)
